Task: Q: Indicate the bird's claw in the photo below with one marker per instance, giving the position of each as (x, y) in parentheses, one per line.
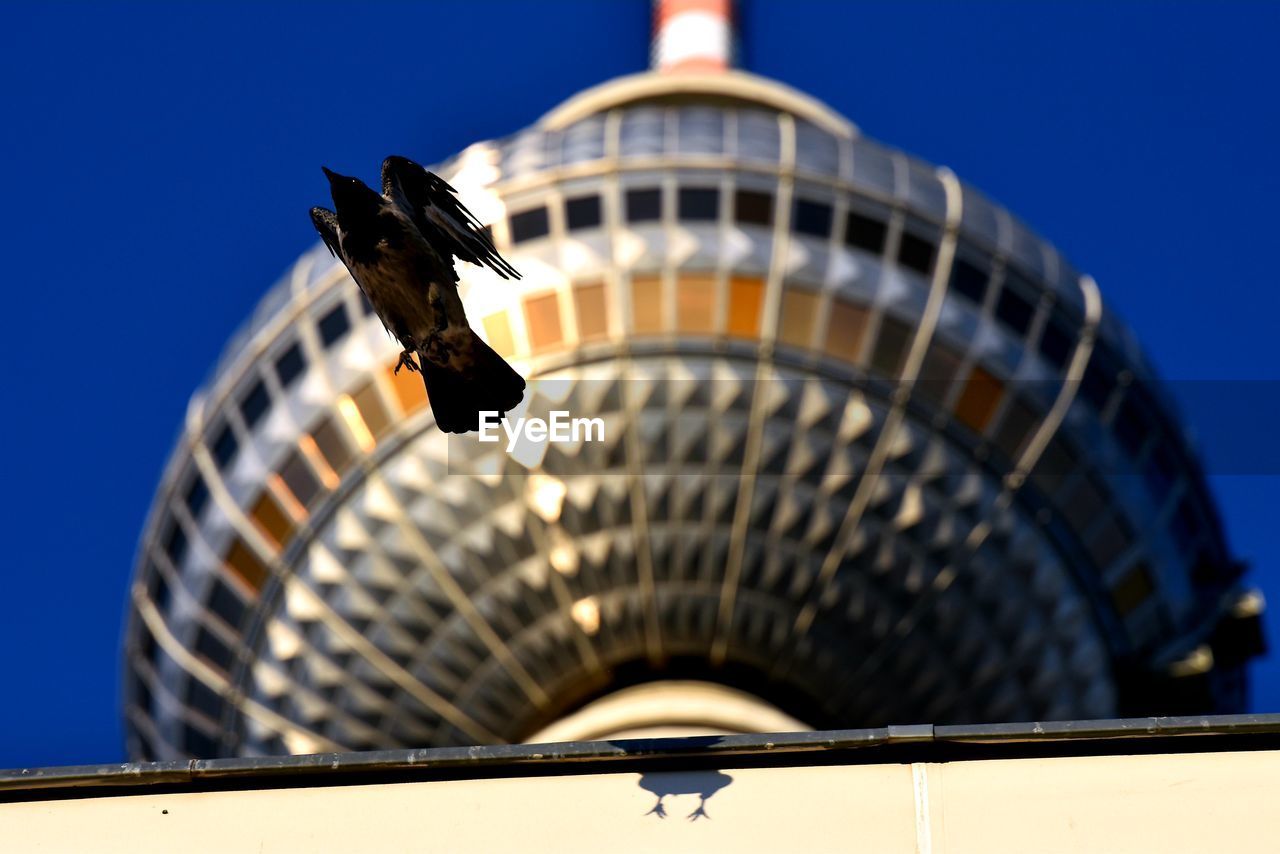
(406, 361)
(658, 810)
(700, 812)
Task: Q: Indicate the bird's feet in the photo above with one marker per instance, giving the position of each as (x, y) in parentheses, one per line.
(659, 810)
(437, 350)
(700, 812)
(406, 361)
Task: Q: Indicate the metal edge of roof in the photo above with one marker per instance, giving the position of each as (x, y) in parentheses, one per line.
(923, 742)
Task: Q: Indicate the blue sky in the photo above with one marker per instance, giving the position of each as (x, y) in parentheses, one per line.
(160, 160)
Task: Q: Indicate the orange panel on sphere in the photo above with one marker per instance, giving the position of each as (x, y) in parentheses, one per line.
(410, 392)
(242, 562)
(978, 402)
(646, 304)
(497, 329)
(845, 330)
(799, 313)
(591, 306)
(271, 519)
(746, 305)
(696, 304)
(542, 317)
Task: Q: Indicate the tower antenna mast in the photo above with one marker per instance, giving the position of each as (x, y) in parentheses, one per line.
(693, 36)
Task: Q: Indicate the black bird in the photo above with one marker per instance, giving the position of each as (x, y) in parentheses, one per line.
(399, 247)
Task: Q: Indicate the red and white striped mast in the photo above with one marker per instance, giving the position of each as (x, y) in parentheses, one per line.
(693, 36)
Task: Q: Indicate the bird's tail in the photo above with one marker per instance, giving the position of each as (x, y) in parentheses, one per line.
(458, 397)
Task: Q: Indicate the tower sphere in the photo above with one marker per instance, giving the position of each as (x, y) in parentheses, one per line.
(873, 452)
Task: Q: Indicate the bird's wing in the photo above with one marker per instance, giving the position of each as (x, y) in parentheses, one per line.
(326, 222)
(443, 220)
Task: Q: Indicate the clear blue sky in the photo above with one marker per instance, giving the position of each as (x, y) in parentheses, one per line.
(159, 161)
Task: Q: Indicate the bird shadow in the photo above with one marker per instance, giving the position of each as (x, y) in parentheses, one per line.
(704, 784)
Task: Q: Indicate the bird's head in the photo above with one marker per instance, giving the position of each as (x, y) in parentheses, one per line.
(352, 198)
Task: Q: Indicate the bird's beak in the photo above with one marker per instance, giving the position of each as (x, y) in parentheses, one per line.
(330, 174)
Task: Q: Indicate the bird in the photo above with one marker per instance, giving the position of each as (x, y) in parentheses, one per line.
(399, 247)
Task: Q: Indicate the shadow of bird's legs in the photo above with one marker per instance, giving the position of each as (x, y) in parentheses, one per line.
(701, 811)
(658, 808)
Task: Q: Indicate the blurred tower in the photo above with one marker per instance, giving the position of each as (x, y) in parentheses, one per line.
(874, 453)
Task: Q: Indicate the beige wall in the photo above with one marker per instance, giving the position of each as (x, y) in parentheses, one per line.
(1167, 803)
